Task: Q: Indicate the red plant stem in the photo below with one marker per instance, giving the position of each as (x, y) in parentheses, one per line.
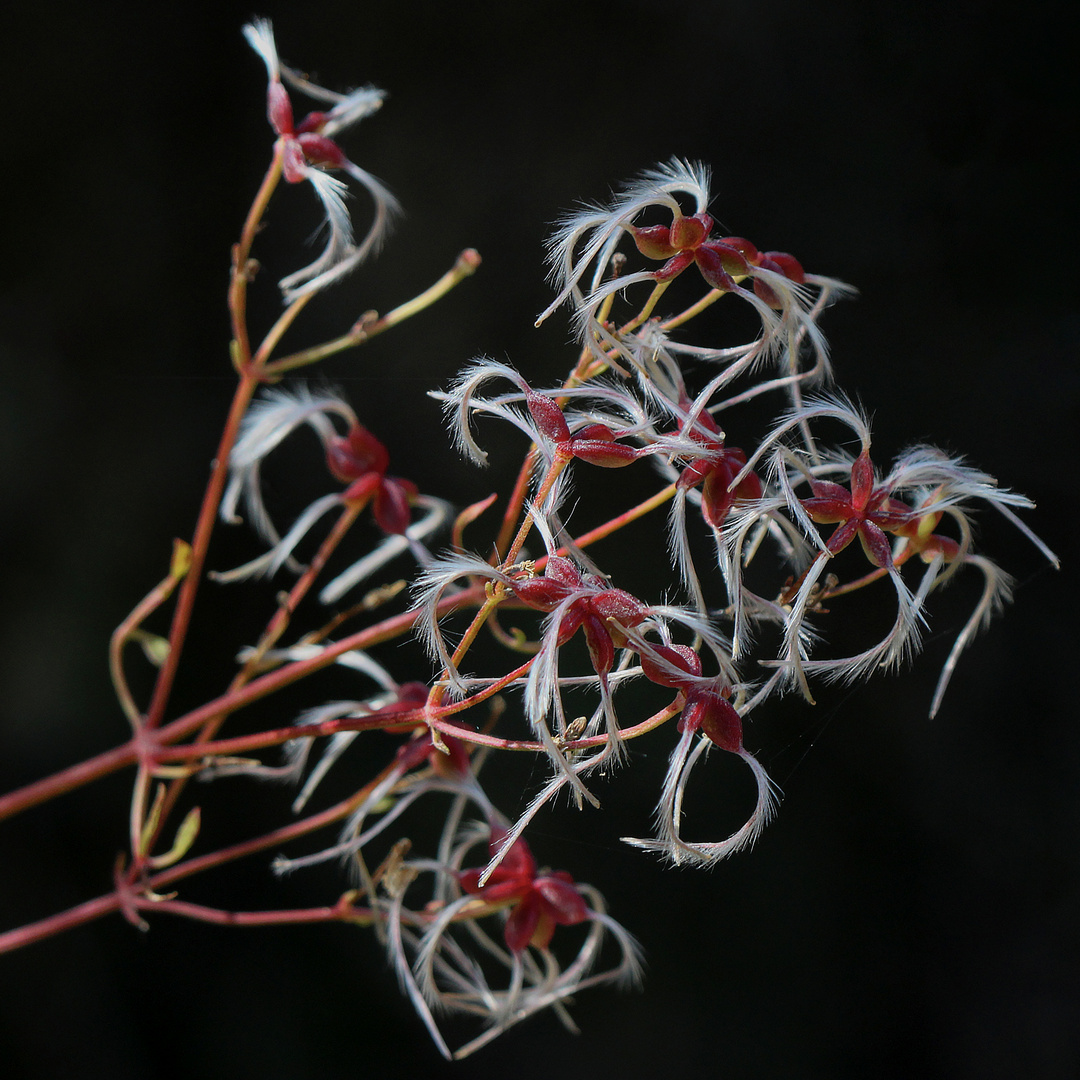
(560, 462)
(514, 504)
(123, 633)
(632, 732)
(337, 913)
(249, 381)
(617, 523)
(185, 601)
(121, 756)
(280, 621)
(237, 296)
(57, 924)
(243, 744)
(278, 624)
(114, 901)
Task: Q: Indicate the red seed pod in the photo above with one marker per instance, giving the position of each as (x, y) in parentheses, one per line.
(558, 891)
(414, 752)
(360, 491)
(571, 622)
(935, 545)
(766, 292)
(731, 258)
(518, 862)
(894, 515)
(693, 474)
(718, 472)
(842, 536)
(595, 431)
(830, 502)
(716, 500)
(674, 266)
(293, 166)
(523, 925)
(749, 487)
(712, 270)
(548, 416)
(704, 429)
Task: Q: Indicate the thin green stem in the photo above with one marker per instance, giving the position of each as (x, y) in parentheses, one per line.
(371, 324)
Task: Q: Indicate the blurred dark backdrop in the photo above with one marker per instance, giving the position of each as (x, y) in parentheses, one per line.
(913, 910)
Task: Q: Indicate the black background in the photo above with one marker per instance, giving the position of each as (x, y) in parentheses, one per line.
(913, 910)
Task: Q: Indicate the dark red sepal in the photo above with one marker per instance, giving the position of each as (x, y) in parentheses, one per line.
(541, 593)
(561, 569)
(620, 605)
(548, 416)
(653, 241)
(842, 536)
(743, 246)
(312, 122)
(351, 456)
(862, 480)
(392, 506)
(294, 167)
(681, 657)
(689, 232)
(720, 265)
(788, 265)
(320, 150)
(360, 491)
(523, 923)
(875, 544)
(716, 716)
(605, 454)
(674, 266)
(279, 109)
(560, 894)
(601, 647)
